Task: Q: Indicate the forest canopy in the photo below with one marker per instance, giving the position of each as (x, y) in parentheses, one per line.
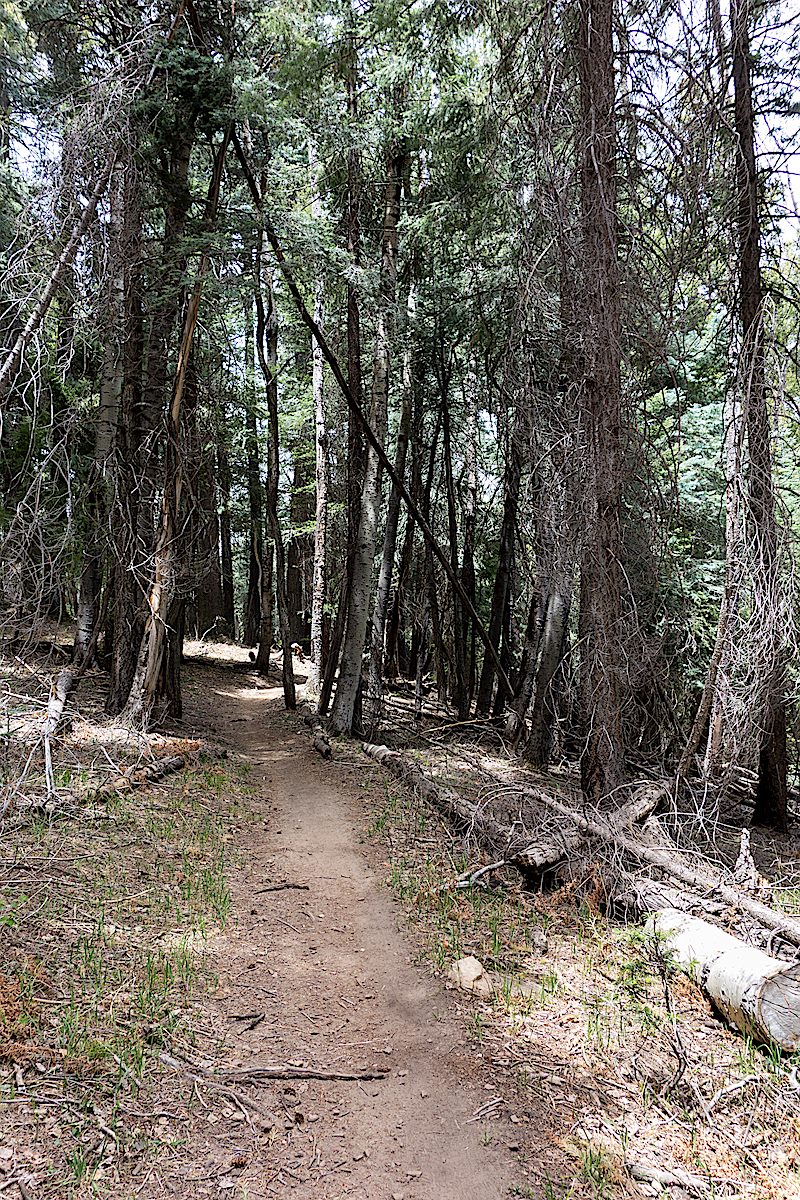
(450, 346)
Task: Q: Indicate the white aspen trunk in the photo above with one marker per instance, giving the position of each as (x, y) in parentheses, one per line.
(757, 994)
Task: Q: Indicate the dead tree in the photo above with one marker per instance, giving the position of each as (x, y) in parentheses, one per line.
(771, 795)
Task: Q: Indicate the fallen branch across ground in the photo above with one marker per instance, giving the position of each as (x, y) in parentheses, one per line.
(517, 850)
(662, 1179)
(320, 741)
(758, 995)
(710, 883)
(151, 773)
(254, 1074)
(154, 772)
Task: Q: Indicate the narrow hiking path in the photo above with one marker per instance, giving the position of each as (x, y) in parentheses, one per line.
(335, 980)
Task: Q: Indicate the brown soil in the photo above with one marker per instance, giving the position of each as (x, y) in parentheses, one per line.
(335, 979)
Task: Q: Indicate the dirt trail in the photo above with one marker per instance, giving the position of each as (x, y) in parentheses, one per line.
(334, 977)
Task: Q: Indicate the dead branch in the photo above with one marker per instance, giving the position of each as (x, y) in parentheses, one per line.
(152, 773)
(527, 856)
(254, 1074)
(706, 880)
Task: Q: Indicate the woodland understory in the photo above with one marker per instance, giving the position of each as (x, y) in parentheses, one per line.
(439, 361)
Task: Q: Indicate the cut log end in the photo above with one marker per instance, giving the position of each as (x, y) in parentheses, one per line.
(757, 994)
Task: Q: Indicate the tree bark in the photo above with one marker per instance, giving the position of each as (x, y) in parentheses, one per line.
(266, 633)
(458, 682)
(320, 576)
(124, 629)
(108, 414)
(771, 794)
(225, 547)
(502, 578)
(267, 348)
(757, 994)
(600, 621)
(344, 705)
(161, 593)
(252, 605)
(554, 635)
(380, 610)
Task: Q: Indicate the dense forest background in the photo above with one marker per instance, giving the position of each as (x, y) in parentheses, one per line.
(454, 345)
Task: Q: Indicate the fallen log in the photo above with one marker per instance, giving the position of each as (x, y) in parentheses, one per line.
(319, 741)
(756, 994)
(643, 1173)
(705, 881)
(528, 856)
(151, 773)
(60, 692)
(322, 746)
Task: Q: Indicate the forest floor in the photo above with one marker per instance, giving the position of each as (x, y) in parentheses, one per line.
(269, 908)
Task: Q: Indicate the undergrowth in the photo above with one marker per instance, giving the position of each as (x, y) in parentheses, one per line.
(618, 1057)
(104, 921)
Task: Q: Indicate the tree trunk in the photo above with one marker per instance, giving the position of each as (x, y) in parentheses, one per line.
(208, 600)
(381, 608)
(267, 347)
(299, 550)
(139, 707)
(600, 622)
(502, 579)
(123, 633)
(771, 795)
(108, 414)
(356, 443)
(344, 705)
(320, 578)
(144, 393)
(518, 708)
(458, 679)
(266, 634)
(252, 605)
(470, 519)
(225, 548)
(397, 659)
(553, 639)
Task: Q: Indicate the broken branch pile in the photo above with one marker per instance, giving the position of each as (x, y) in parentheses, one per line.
(756, 993)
